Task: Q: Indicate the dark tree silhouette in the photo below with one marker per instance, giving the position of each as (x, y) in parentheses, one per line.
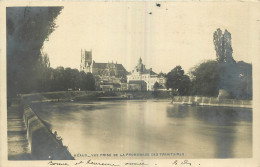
(205, 79)
(218, 43)
(178, 81)
(156, 86)
(27, 29)
(222, 43)
(211, 76)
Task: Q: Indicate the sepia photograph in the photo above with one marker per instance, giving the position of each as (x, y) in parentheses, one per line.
(138, 83)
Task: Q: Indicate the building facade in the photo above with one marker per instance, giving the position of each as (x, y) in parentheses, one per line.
(108, 76)
(86, 61)
(141, 75)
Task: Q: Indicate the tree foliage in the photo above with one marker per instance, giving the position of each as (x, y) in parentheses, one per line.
(178, 81)
(210, 76)
(231, 77)
(156, 86)
(27, 29)
(69, 79)
(222, 43)
(205, 79)
(28, 69)
(245, 77)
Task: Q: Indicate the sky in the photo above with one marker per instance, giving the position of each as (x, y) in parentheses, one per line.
(176, 33)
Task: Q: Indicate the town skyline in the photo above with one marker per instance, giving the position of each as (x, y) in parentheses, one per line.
(167, 37)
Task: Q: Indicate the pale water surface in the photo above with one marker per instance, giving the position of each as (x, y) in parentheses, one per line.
(150, 127)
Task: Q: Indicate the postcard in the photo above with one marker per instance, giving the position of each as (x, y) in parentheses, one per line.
(130, 83)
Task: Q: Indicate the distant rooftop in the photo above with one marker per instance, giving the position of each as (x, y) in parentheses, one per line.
(105, 65)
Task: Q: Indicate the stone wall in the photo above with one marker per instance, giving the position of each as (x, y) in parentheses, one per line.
(43, 144)
(212, 101)
(91, 95)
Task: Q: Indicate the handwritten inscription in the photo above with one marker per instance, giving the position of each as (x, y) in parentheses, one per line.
(88, 162)
(91, 162)
(100, 163)
(135, 163)
(185, 162)
(58, 163)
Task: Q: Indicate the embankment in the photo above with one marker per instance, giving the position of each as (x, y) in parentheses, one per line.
(93, 96)
(212, 101)
(99, 95)
(43, 144)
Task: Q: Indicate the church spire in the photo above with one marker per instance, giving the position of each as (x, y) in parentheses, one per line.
(140, 60)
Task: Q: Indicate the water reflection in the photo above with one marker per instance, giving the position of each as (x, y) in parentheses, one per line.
(211, 114)
(222, 124)
(151, 126)
(178, 111)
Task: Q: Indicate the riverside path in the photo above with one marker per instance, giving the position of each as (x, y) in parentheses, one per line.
(18, 147)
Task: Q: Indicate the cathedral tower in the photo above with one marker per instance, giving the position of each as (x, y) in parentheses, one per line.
(86, 60)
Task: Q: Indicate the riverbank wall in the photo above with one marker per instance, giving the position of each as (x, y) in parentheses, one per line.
(84, 96)
(93, 96)
(43, 144)
(211, 101)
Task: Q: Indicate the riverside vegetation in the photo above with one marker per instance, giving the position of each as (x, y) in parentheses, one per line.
(29, 71)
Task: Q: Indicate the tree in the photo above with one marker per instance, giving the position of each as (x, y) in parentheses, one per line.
(44, 73)
(227, 67)
(224, 73)
(156, 86)
(218, 43)
(245, 76)
(178, 81)
(89, 82)
(222, 43)
(227, 47)
(27, 29)
(45, 61)
(59, 79)
(205, 79)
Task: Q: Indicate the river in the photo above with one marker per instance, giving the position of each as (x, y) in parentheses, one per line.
(150, 126)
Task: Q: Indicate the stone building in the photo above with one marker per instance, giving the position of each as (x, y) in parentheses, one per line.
(141, 75)
(108, 76)
(86, 61)
(108, 69)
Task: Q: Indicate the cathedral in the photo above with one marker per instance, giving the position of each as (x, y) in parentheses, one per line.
(86, 61)
(109, 76)
(114, 77)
